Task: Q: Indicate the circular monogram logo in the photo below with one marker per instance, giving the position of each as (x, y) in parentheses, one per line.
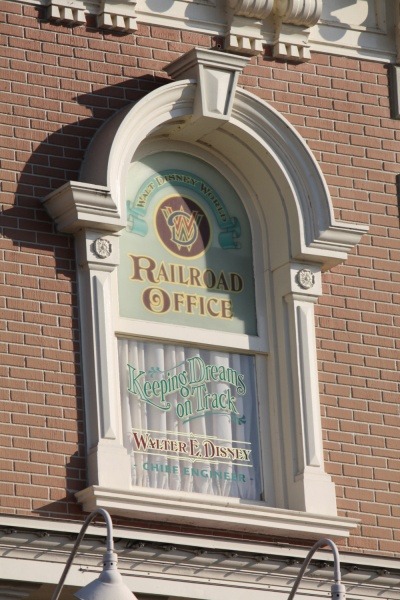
(183, 227)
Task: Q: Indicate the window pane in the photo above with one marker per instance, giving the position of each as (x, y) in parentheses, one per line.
(190, 419)
(186, 254)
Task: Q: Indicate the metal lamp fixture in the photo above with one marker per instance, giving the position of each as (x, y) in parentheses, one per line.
(109, 585)
(338, 590)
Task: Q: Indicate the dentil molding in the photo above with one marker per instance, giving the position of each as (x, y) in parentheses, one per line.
(288, 21)
(116, 15)
(292, 22)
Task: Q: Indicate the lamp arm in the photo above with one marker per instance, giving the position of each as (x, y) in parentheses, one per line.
(110, 545)
(336, 564)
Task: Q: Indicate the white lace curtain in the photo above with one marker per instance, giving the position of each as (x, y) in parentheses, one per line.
(165, 469)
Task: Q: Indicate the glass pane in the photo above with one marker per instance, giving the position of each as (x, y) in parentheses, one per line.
(186, 254)
(190, 419)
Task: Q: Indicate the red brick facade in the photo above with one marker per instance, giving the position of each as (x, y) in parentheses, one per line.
(58, 86)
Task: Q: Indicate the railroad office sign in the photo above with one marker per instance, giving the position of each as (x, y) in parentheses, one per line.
(186, 255)
(189, 413)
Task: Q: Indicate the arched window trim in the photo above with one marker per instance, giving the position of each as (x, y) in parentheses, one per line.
(205, 109)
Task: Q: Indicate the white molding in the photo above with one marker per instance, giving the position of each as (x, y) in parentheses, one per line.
(302, 406)
(254, 127)
(70, 12)
(217, 75)
(75, 205)
(294, 20)
(245, 36)
(107, 458)
(299, 12)
(365, 31)
(315, 234)
(291, 42)
(257, 9)
(298, 406)
(117, 15)
(227, 340)
(245, 24)
(293, 228)
(334, 33)
(218, 513)
(114, 15)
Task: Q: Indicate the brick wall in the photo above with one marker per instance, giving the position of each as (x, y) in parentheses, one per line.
(341, 107)
(58, 85)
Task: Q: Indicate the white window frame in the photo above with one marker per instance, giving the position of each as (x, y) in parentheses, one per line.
(254, 345)
(298, 236)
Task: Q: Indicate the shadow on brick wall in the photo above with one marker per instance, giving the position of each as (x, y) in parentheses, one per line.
(41, 298)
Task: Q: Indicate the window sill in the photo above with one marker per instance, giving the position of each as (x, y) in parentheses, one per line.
(217, 513)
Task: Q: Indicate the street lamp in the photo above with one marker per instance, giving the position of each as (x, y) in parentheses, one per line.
(338, 590)
(109, 585)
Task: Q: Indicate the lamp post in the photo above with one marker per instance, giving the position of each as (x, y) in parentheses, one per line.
(109, 585)
(338, 590)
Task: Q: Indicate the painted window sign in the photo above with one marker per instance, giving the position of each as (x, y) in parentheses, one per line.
(189, 414)
(190, 419)
(186, 254)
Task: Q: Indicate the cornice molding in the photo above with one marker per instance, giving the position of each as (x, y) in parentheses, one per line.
(292, 29)
(292, 20)
(77, 205)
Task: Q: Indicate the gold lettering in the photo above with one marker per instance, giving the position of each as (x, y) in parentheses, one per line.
(143, 263)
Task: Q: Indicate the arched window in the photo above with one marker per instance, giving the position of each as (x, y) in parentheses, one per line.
(202, 224)
(187, 298)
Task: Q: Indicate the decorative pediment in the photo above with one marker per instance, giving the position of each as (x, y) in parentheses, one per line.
(292, 21)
